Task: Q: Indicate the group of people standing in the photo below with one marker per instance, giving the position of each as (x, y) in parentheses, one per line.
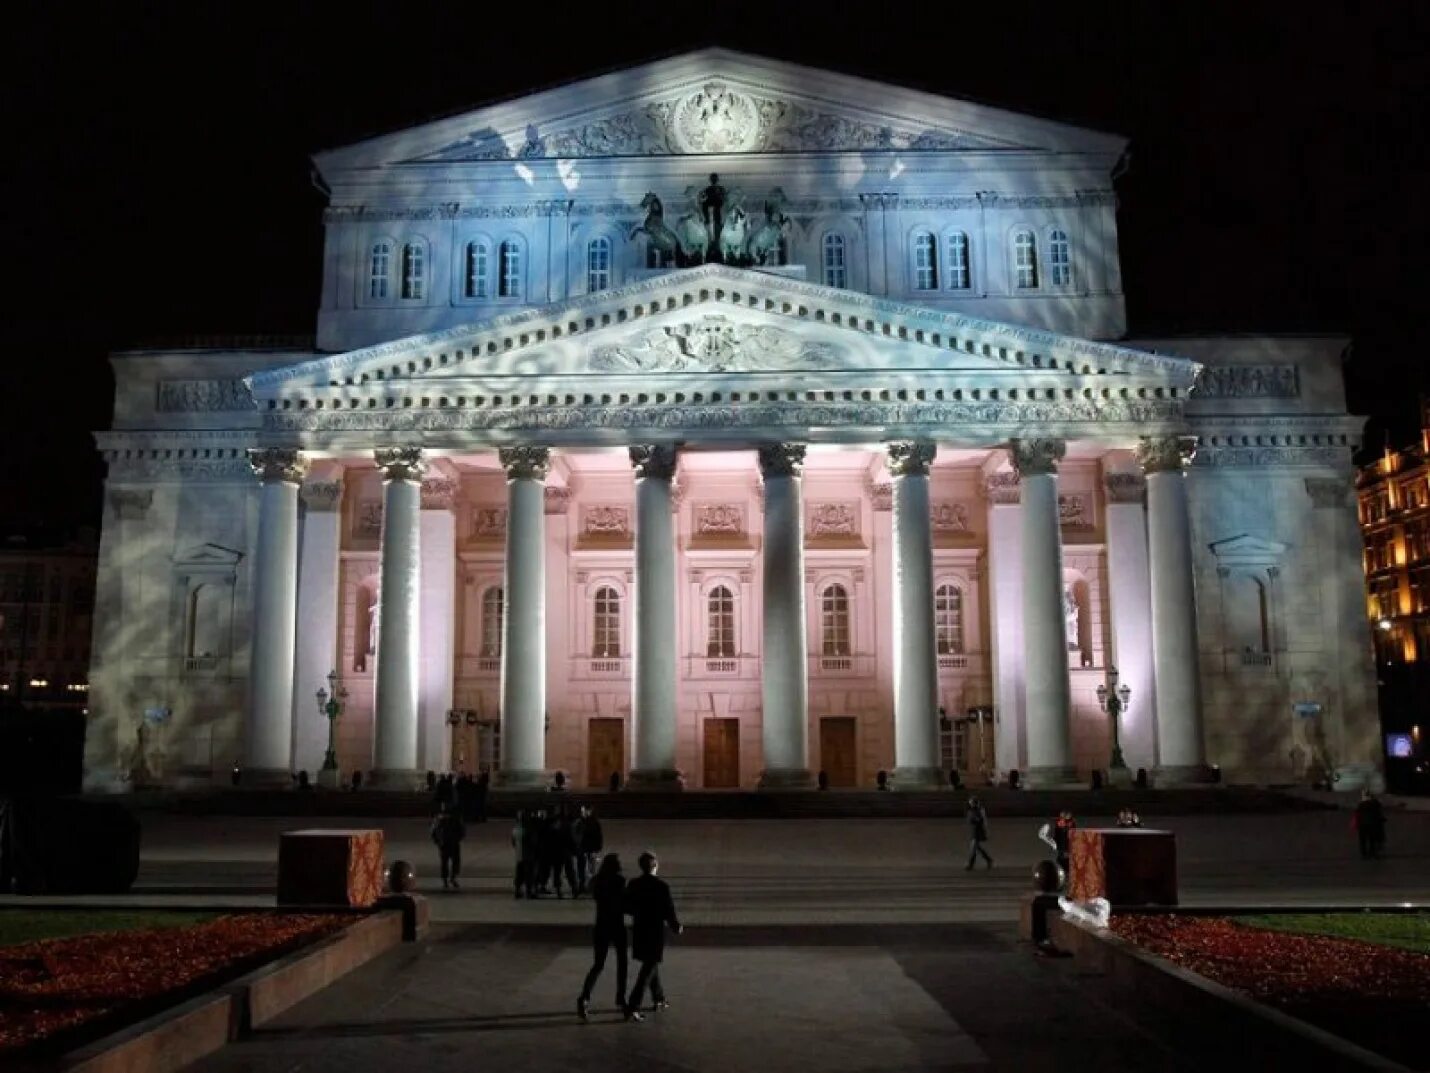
(554, 844)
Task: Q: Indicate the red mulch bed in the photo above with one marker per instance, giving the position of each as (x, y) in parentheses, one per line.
(1376, 996)
(57, 985)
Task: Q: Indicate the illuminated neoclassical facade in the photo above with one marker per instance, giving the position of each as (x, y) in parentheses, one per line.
(730, 421)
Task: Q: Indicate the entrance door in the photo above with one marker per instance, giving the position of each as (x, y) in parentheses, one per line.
(722, 753)
(606, 752)
(838, 755)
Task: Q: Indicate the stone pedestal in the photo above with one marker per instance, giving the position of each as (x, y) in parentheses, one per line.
(1125, 865)
(330, 867)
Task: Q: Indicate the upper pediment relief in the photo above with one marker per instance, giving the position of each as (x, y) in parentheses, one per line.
(716, 117)
(716, 102)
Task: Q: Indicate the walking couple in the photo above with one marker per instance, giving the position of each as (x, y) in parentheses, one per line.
(647, 901)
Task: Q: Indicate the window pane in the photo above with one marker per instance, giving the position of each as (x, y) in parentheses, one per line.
(510, 268)
(606, 636)
(835, 272)
(492, 601)
(925, 262)
(835, 621)
(414, 271)
(476, 270)
(1059, 258)
(381, 264)
(598, 265)
(958, 274)
(1025, 255)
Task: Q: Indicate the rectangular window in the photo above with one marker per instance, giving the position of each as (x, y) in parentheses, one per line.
(414, 271)
(381, 265)
(1025, 260)
(925, 262)
(510, 282)
(959, 278)
(836, 273)
(1060, 258)
(476, 270)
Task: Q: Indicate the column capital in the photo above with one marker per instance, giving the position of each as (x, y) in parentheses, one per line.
(1327, 491)
(439, 493)
(1165, 454)
(653, 460)
(321, 495)
(1032, 457)
(131, 502)
(782, 460)
(1125, 487)
(1002, 489)
(527, 463)
(909, 458)
(278, 464)
(400, 463)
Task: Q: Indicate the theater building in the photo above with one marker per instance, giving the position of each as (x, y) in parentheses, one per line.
(725, 421)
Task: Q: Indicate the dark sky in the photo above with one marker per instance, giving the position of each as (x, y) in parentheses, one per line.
(160, 183)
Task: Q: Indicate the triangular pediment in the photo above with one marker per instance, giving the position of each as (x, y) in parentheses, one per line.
(717, 320)
(208, 556)
(716, 101)
(1247, 550)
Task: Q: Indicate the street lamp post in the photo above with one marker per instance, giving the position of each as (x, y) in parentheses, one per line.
(330, 706)
(1114, 699)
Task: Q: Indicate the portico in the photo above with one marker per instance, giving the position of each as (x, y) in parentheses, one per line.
(738, 363)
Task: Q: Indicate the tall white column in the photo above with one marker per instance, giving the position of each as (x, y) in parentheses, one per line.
(1130, 599)
(319, 556)
(268, 753)
(399, 618)
(654, 701)
(785, 684)
(1181, 753)
(1047, 694)
(1005, 606)
(523, 649)
(439, 596)
(916, 753)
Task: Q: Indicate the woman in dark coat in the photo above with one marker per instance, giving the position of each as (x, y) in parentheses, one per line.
(608, 891)
(651, 908)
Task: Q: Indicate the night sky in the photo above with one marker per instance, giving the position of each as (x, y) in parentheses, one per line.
(158, 184)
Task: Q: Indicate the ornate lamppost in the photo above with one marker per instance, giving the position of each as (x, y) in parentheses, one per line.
(330, 706)
(1114, 699)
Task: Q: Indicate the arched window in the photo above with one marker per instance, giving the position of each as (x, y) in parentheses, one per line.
(1025, 260)
(834, 621)
(414, 271)
(492, 610)
(379, 269)
(606, 626)
(478, 283)
(956, 265)
(598, 264)
(509, 269)
(1059, 258)
(925, 262)
(836, 272)
(948, 620)
(720, 623)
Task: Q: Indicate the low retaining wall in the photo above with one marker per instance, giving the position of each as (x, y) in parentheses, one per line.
(170, 1040)
(1277, 1040)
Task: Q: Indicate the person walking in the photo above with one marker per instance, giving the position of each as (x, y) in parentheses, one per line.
(448, 832)
(1368, 822)
(523, 844)
(608, 890)
(590, 841)
(651, 909)
(977, 833)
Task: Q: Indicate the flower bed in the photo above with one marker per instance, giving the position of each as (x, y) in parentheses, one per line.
(1376, 996)
(64, 987)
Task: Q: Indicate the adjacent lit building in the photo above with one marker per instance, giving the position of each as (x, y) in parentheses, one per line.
(46, 609)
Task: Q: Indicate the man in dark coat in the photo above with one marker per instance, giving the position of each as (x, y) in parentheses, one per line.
(651, 908)
(977, 833)
(1369, 824)
(608, 890)
(448, 832)
(590, 841)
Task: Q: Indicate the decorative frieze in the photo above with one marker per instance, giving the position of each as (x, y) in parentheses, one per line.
(277, 464)
(1125, 487)
(715, 344)
(193, 465)
(720, 519)
(321, 496)
(1327, 491)
(525, 463)
(1165, 454)
(203, 396)
(833, 520)
(606, 521)
(489, 523)
(439, 493)
(1033, 457)
(1073, 512)
(131, 503)
(656, 460)
(881, 494)
(367, 521)
(781, 460)
(1002, 489)
(400, 463)
(1250, 457)
(1275, 381)
(949, 518)
(910, 459)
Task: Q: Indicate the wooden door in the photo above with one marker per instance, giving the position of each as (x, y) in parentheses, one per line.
(606, 752)
(838, 750)
(722, 753)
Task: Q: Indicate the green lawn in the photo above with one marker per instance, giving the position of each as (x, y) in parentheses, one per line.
(27, 925)
(1408, 931)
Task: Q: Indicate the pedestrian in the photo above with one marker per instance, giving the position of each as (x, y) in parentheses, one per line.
(1062, 838)
(590, 841)
(977, 833)
(608, 890)
(651, 909)
(479, 798)
(1368, 822)
(448, 832)
(561, 851)
(523, 844)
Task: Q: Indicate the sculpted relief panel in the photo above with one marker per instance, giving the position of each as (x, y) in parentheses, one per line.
(203, 396)
(833, 520)
(606, 522)
(720, 519)
(1248, 382)
(489, 523)
(715, 344)
(950, 518)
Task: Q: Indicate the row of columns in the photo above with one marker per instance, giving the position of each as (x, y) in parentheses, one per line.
(655, 699)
